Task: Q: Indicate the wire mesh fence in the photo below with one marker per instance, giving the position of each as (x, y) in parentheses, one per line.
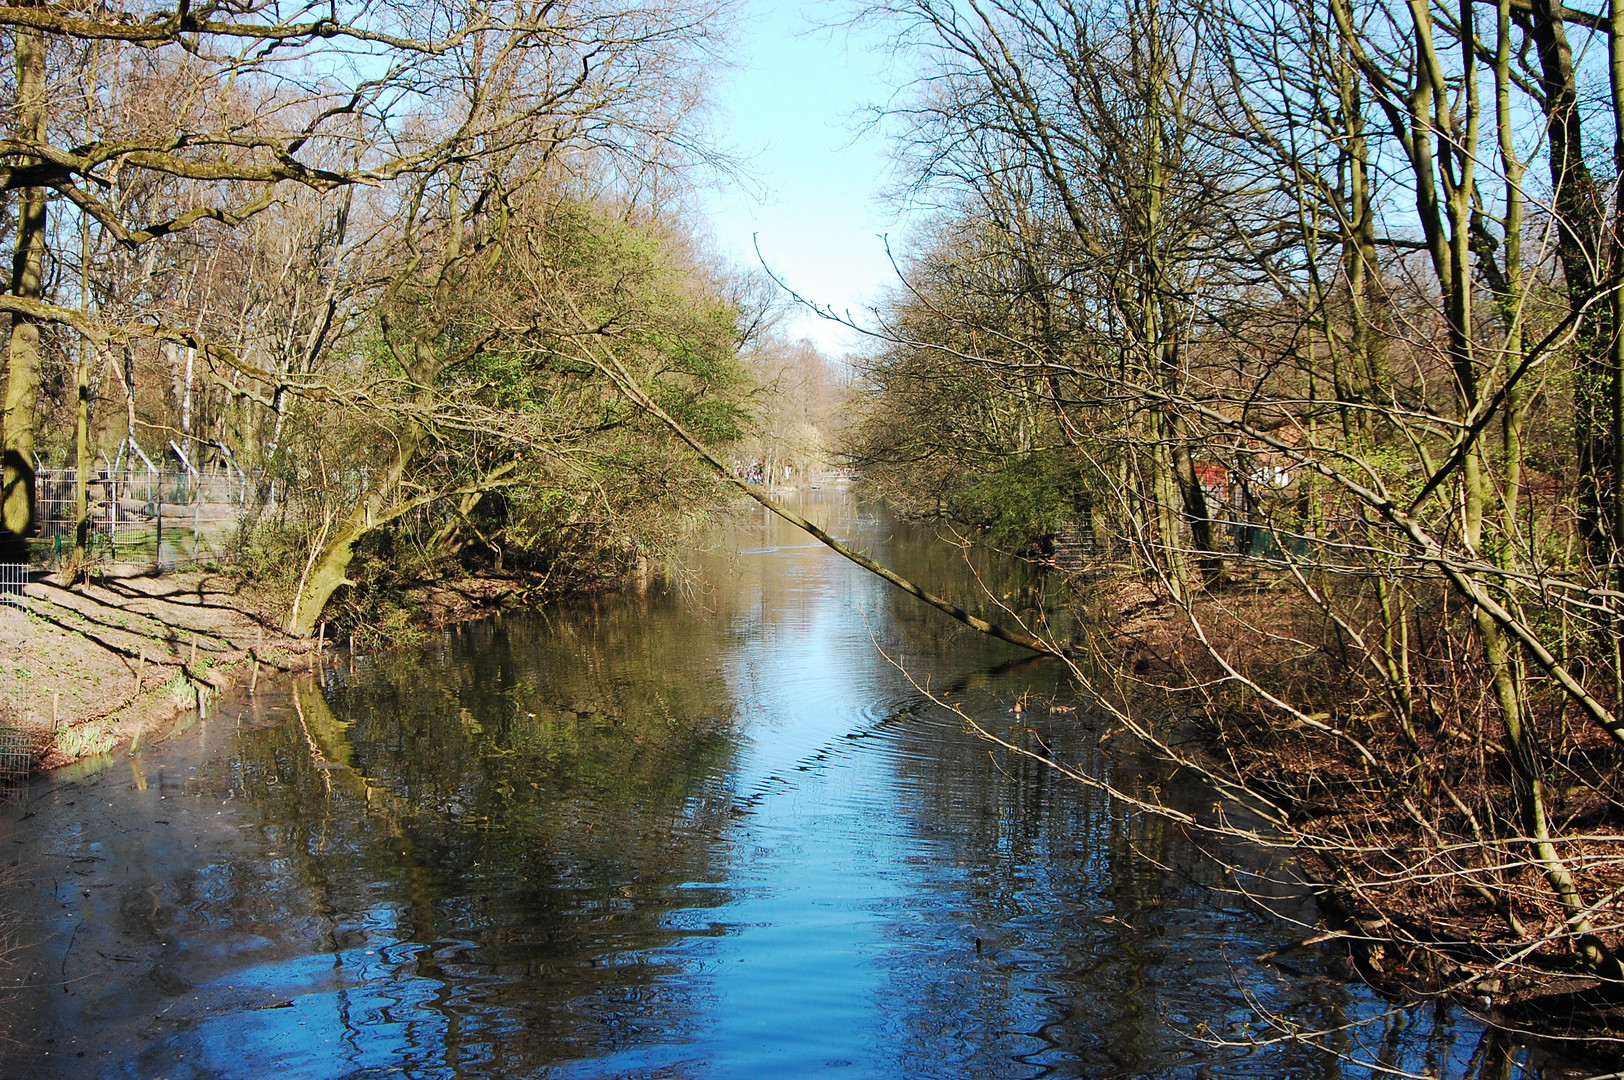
(162, 518)
(13, 578)
(16, 759)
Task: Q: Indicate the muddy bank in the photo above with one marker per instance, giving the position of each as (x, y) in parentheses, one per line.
(118, 659)
(109, 661)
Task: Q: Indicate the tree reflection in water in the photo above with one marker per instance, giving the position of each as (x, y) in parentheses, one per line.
(525, 818)
(718, 835)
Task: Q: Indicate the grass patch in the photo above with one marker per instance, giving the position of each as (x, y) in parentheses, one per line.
(86, 740)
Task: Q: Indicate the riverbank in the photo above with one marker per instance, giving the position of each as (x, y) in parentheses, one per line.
(115, 660)
(1406, 832)
(110, 661)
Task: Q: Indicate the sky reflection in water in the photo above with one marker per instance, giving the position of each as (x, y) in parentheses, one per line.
(716, 835)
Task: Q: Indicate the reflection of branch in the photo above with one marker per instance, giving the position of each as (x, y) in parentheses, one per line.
(1293, 1033)
(1157, 808)
(323, 766)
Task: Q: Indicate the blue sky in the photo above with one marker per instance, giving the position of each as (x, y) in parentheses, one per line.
(791, 108)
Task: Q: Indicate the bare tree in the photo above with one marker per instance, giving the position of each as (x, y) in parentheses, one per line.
(152, 124)
(1339, 299)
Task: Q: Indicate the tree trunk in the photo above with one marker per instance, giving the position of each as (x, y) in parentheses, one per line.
(1579, 205)
(23, 356)
(1523, 756)
(332, 566)
(81, 503)
(329, 574)
(1615, 357)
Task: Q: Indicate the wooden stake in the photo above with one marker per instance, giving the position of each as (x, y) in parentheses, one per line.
(259, 647)
(56, 710)
(321, 636)
(140, 670)
(193, 661)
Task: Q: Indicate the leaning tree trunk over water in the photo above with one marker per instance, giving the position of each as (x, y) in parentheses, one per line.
(330, 572)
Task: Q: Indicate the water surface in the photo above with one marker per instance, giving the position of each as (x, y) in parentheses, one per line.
(716, 831)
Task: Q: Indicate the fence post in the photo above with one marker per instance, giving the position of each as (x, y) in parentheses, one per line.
(110, 492)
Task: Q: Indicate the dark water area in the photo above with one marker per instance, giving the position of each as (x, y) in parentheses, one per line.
(711, 832)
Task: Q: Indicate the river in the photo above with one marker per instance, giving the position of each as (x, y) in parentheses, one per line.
(712, 831)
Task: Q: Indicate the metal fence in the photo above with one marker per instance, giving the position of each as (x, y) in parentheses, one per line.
(16, 751)
(161, 517)
(13, 576)
(16, 759)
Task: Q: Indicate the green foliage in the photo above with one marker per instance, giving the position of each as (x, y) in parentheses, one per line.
(85, 740)
(1021, 499)
(182, 691)
(550, 470)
